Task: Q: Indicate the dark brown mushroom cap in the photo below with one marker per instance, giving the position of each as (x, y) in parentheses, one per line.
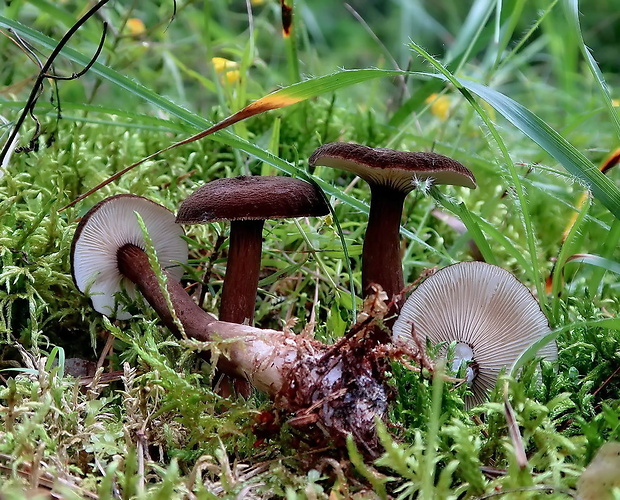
(398, 169)
(252, 198)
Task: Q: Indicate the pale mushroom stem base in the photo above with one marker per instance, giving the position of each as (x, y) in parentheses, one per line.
(341, 388)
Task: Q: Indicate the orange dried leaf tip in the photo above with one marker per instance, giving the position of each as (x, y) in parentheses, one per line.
(287, 18)
(612, 160)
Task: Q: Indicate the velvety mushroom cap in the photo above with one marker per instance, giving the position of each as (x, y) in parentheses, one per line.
(391, 175)
(252, 198)
(397, 169)
(107, 227)
(491, 315)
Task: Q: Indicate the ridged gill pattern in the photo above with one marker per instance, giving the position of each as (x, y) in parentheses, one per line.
(110, 225)
(483, 306)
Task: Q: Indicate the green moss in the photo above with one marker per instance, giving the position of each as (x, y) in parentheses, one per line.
(157, 429)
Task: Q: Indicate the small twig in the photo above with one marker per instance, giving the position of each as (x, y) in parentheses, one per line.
(107, 348)
(25, 46)
(93, 60)
(607, 380)
(43, 74)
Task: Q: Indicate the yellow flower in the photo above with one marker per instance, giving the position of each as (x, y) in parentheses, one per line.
(257, 2)
(221, 64)
(616, 103)
(135, 26)
(440, 106)
(226, 68)
(232, 76)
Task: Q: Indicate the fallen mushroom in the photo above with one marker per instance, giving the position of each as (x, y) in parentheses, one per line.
(391, 175)
(340, 388)
(246, 202)
(492, 317)
(104, 230)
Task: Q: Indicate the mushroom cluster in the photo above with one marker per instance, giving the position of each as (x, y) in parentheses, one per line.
(302, 374)
(341, 387)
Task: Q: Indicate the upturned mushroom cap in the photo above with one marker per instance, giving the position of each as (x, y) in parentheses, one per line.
(107, 227)
(397, 169)
(482, 307)
(252, 198)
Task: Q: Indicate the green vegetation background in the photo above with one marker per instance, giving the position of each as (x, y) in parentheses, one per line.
(160, 431)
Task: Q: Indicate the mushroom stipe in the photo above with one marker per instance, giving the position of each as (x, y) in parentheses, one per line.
(247, 202)
(391, 175)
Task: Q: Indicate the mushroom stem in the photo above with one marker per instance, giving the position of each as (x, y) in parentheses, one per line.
(464, 353)
(242, 270)
(334, 386)
(134, 264)
(260, 355)
(381, 262)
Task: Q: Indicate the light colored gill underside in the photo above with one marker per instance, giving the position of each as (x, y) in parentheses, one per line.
(397, 178)
(481, 305)
(113, 226)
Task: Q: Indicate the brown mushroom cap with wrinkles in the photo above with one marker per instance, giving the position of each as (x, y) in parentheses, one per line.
(247, 202)
(252, 198)
(397, 169)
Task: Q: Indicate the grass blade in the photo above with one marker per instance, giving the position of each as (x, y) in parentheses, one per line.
(558, 271)
(471, 223)
(547, 138)
(530, 352)
(534, 268)
(595, 260)
(571, 8)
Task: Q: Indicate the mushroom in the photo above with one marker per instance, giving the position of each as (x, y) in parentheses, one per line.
(327, 385)
(391, 175)
(105, 232)
(246, 202)
(485, 310)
